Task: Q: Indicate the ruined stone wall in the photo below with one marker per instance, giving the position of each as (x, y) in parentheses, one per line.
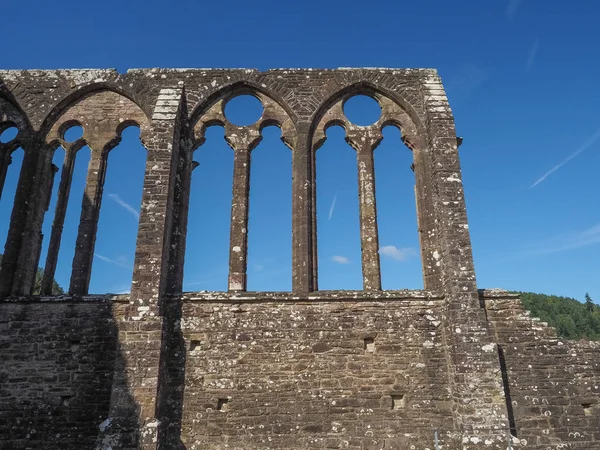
(553, 384)
(367, 369)
(322, 373)
(56, 372)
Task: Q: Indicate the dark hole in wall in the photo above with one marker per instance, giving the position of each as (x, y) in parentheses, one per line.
(511, 416)
(369, 345)
(194, 344)
(223, 404)
(587, 409)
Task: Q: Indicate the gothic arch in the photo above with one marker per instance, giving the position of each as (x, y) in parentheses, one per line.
(398, 112)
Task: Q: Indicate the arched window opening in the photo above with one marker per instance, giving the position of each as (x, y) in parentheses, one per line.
(11, 181)
(206, 264)
(58, 163)
(114, 252)
(71, 221)
(338, 227)
(396, 214)
(270, 216)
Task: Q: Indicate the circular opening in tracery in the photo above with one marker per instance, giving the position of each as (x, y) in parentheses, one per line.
(243, 110)
(73, 133)
(362, 110)
(8, 135)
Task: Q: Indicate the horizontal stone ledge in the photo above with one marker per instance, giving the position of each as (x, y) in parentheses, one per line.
(319, 296)
(497, 293)
(94, 298)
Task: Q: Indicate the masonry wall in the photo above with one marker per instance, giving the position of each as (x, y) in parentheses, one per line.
(333, 373)
(553, 384)
(56, 372)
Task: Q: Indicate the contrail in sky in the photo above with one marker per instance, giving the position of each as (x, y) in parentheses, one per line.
(587, 144)
(125, 205)
(532, 53)
(332, 207)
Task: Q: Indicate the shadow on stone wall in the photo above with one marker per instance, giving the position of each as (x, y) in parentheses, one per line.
(56, 373)
(171, 390)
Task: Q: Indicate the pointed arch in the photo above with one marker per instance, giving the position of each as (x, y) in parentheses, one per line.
(82, 92)
(366, 87)
(238, 88)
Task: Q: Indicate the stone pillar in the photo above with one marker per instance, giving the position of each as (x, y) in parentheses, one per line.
(474, 372)
(243, 140)
(140, 369)
(302, 207)
(426, 220)
(364, 144)
(59, 220)
(90, 213)
(21, 252)
(180, 219)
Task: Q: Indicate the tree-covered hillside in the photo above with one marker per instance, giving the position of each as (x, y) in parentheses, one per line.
(571, 318)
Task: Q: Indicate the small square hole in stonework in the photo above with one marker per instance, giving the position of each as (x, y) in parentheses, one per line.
(223, 404)
(587, 409)
(369, 345)
(194, 344)
(398, 401)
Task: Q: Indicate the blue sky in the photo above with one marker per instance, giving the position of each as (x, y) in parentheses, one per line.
(521, 77)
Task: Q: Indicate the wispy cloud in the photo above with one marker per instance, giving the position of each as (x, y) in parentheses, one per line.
(332, 207)
(121, 261)
(465, 81)
(587, 144)
(340, 259)
(557, 244)
(399, 254)
(532, 54)
(512, 8)
(134, 212)
(589, 236)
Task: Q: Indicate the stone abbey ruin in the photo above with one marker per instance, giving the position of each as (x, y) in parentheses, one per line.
(450, 367)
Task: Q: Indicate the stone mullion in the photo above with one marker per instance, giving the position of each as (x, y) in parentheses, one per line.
(368, 218)
(88, 224)
(58, 222)
(5, 161)
(238, 242)
(313, 220)
(301, 215)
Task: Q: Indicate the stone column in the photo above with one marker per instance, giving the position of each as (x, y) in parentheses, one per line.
(242, 140)
(365, 143)
(90, 213)
(302, 206)
(141, 377)
(59, 220)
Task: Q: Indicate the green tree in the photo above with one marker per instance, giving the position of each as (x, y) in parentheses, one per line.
(589, 304)
(572, 319)
(37, 286)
